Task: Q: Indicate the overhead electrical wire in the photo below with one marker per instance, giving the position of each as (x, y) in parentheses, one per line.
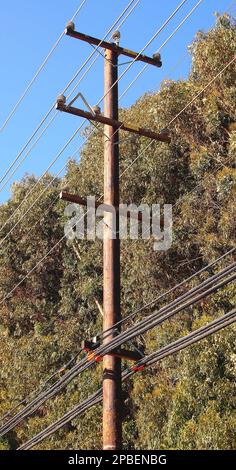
(126, 169)
(144, 48)
(56, 112)
(167, 312)
(30, 84)
(172, 348)
(22, 202)
(149, 41)
(50, 251)
(134, 314)
(43, 386)
(169, 291)
(206, 288)
(184, 109)
(25, 199)
(60, 153)
(63, 92)
(232, 277)
(163, 45)
(212, 279)
(32, 270)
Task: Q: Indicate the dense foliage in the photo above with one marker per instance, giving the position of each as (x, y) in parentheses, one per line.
(186, 401)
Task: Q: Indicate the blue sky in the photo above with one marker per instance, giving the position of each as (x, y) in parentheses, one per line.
(28, 30)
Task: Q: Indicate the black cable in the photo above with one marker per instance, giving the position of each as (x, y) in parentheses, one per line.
(154, 301)
(38, 392)
(176, 346)
(138, 329)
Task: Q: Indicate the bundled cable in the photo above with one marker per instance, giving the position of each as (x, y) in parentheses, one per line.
(176, 346)
(37, 393)
(124, 320)
(188, 299)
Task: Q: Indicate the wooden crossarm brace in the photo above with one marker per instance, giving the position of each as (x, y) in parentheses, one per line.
(90, 347)
(113, 47)
(79, 200)
(162, 137)
(125, 354)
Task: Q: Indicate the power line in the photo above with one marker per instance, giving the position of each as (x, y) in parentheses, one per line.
(64, 91)
(29, 86)
(182, 110)
(153, 37)
(126, 169)
(43, 386)
(146, 46)
(163, 45)
(202, 91)
(171, 290)
(166, 22)
(26, 154)
(174, 347)
(56, 113)
(53, 118)
(156, 318)
(228, 280)
(185, 108)
(205, 283)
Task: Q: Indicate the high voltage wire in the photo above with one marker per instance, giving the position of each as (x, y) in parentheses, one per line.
(145, 47)
(170, 17)
(60, 153)
(172, 348)
(126, 169)
(64, 91)
(56, 113)
(124, 320)
(164, 44)
(158, 32)
(156, 318)
(171, 290)
(127, 89)
(167, 21)
(25, 199)
(182, 110)
(43, 386)
(139, 155)
(151, 303)
(185, 108)
(29, 86)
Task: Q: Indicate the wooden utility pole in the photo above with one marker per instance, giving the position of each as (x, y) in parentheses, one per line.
(112, 403)
(112, 432)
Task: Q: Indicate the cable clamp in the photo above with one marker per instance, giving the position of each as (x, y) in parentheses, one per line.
(138, 368)
(90, 356)
(98, 359)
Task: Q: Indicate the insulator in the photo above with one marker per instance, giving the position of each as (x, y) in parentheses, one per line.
(157, 57)
(95, 339)
(165, 131)
(70, 26)
(116, 36)
(61, 99)
(96, 109)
